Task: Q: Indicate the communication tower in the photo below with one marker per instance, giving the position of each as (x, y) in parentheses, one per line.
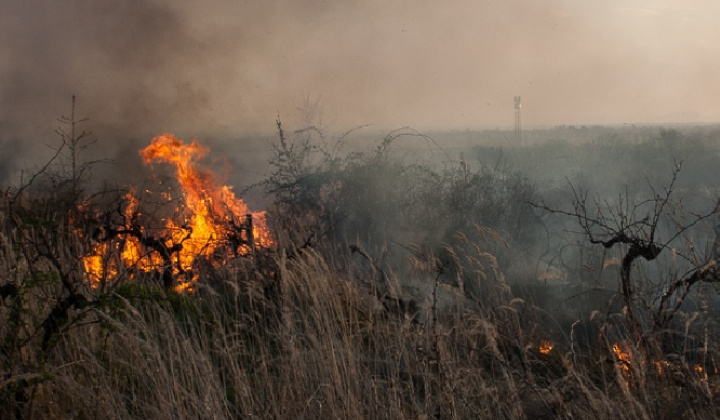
(518, 105)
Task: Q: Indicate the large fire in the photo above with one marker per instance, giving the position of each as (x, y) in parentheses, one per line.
(210, 216)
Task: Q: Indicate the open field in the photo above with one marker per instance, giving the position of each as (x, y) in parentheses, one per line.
(445, 276)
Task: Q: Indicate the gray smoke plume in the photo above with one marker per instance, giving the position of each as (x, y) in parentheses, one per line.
(220, 68)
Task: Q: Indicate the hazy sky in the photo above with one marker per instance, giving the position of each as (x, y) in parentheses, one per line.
(190, 67)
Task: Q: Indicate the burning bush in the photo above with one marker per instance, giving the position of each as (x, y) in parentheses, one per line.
(208, 222)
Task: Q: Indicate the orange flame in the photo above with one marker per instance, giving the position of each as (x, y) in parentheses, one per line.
(94, 265)
(210, 209)
(212, 217)
(623, 356)
(662, 366)
(545, 347)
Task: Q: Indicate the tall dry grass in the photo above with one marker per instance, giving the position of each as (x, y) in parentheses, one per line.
(297, 335)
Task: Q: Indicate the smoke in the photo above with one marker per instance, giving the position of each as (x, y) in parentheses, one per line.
(143, 67)
(131, 65)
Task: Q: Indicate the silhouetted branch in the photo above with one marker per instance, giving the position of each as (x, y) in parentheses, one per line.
(610, 225)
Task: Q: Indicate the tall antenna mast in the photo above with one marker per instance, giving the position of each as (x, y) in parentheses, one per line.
(518, 105)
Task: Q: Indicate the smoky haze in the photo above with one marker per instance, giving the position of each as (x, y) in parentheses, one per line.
(144, 67)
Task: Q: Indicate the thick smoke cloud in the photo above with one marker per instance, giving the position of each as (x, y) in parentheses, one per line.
(129, 62)
(219, 67)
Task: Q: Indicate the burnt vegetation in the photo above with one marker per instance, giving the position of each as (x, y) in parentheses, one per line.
(404, 280)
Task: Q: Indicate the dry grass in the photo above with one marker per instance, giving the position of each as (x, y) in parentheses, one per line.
(294, 336)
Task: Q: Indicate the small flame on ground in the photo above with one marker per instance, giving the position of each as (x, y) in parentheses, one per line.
(662, 366)
(623, 356)
(545, 347)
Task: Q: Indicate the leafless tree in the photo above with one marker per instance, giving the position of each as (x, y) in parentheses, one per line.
(638, 229)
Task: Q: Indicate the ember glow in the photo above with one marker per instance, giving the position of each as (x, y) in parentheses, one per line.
(545, 347)
(210, 218)
(662, 366)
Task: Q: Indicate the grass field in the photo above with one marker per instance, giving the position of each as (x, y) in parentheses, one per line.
(387, 289)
